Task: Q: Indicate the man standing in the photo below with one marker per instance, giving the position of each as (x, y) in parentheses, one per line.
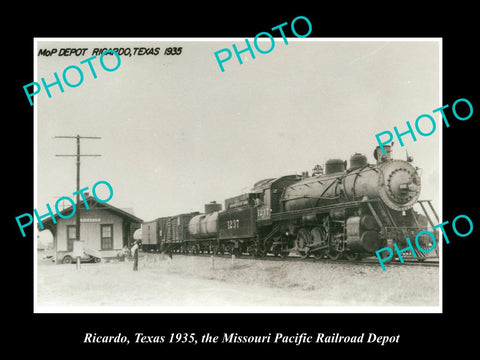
(134, 251)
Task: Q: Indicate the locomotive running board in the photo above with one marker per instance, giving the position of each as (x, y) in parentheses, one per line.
(286, 215)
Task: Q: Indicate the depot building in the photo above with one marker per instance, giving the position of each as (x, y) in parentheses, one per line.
(104, 231)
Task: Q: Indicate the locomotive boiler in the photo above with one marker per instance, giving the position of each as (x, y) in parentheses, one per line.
(395, 182)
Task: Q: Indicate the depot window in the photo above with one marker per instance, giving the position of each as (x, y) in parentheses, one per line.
(106, 231)
(71, 236)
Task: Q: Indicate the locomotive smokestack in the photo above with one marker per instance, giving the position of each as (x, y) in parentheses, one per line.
(380, 157)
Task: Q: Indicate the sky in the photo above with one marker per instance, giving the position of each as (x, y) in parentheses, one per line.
(177, 133)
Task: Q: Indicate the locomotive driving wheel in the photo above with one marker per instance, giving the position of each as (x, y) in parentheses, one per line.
(303, 241)
(333, 254)
(319, 235)
(352, 256)
(329, 240)
(319, 242)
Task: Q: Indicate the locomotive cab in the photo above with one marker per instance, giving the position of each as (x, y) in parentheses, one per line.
(269, 192)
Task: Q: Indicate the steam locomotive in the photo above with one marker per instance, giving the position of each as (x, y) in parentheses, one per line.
(343, 212)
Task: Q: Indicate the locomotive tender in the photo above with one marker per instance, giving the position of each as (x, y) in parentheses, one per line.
(349, 212)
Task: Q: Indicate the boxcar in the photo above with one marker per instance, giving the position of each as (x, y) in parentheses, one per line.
(178, 236)
(150, 238)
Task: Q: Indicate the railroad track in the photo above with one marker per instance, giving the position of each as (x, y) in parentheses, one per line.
(429, 262)
(367, 261)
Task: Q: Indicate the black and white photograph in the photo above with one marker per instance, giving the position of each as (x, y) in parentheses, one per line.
(249, 183)
(223, 181)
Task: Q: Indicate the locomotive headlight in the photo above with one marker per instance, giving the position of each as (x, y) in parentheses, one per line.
(410, 187)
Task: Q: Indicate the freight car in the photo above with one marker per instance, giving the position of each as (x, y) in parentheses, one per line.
(203, 230)
(167, 233)
(152, 234)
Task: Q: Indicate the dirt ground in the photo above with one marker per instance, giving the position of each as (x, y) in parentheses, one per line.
(190, 281)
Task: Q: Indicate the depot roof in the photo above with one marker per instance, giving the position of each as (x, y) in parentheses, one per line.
(93, 204)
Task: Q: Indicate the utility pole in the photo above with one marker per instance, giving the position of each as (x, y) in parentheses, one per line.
(78, 155)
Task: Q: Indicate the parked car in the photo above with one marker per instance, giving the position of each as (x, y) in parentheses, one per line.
(68, 258)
